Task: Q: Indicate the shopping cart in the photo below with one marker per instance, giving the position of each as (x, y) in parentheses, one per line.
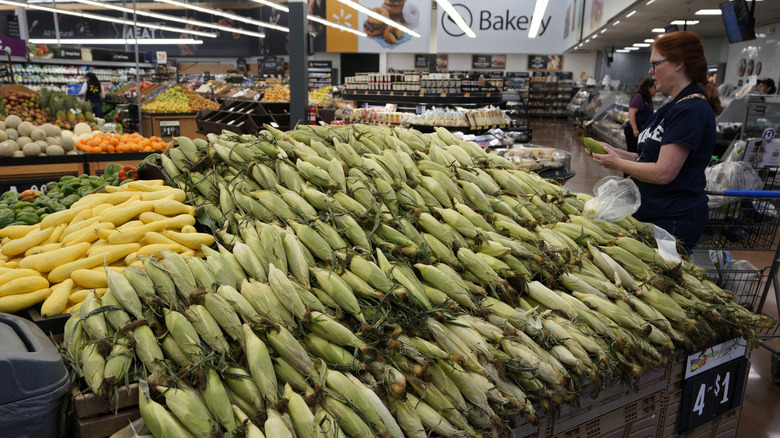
(748, 221)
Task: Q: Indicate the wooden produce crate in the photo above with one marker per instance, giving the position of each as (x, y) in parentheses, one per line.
(92, 418)
(163, 125)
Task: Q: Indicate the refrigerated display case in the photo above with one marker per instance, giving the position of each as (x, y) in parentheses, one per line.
(609, 112)
(578, 104)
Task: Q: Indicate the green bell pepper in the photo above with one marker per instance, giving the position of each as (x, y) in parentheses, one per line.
(29, 218)
(6, 217)
(42, 211)
(70, 187)
(69, 200)
(55, 207)
(83, 191)
(10, 196)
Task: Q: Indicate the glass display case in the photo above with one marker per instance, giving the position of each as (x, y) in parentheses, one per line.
(577, 106)
(609, 112)
(762, 116)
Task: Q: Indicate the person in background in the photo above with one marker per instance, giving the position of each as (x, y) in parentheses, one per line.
(639, 111)
(766, 86)
(676, 145)
(93, 93)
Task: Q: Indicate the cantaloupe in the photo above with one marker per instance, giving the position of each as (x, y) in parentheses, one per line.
(31, 149)
(53, 140)
(85, 136)
(42, 144)
(72, 153)
(51, 130)
(55, 150)
(25, 129)
(3, 136)
(12, 133)
(18, 154)
(13, 121)
(38, 134)
(21, 141)
(82, 128)
(2, 126)
(7, 149)
(67, 143)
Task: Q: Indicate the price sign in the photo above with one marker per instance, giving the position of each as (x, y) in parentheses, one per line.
(169, 128)
(712, 393)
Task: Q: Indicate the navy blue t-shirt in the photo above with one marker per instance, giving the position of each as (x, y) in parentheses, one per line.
(689, 121)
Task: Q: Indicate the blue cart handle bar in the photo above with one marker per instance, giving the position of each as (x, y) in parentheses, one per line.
(748, 193)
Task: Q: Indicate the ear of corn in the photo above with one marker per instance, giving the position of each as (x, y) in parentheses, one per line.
(260, 365)
(217, 401)
(188, 406)
(240, 381)
(290, 349)
(185, 335)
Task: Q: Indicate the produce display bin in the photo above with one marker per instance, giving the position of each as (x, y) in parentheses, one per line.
(32, 172)
(96, 163)
(93, 418)
(155, 124)
(33, 378)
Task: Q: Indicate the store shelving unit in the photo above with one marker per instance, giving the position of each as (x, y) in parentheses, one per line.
(549, 93)
(518, 110)
(608, 111)
(64, 72)
(320, 74)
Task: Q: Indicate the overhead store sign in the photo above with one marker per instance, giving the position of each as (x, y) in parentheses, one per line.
(502, 26)
(600, 12)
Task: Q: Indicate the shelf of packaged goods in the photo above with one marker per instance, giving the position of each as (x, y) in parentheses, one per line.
(415, 97)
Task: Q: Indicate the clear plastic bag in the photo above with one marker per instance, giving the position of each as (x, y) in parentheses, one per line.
(667, 246)
(615, 199)
(730, 175)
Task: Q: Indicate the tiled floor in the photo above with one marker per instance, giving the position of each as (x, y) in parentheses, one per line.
(761, 406)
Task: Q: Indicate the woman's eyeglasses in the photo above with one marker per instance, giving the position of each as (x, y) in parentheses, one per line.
(654, 64)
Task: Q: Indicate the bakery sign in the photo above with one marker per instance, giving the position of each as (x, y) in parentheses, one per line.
(501, 25)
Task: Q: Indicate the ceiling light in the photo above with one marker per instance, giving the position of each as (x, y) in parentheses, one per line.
(649, 40)
(358, 7)
(109, 19)
(593, 37)
(641, 45)
(683, 22)
(659, 30)
(273, 5)
(587, 40)
(536, 19)
(603, 30)
(622, 51)
(630, 48)
(708, 12)
(456, 17)
(616, 23)
(631, 13)
(224, 14)
(650, 2)
(145, 13)
(336, 26)
(117, 41)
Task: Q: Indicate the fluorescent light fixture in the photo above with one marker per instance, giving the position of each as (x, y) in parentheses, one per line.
(109, 19)
(631, 13)
(335, 25)
(536, 19)
(456, 17)
(358, 7)
(659, 30)
(649, 40)
(587, 40)
(650, 2)
(594, 37)
(283, 8)
(630, 48)
(616, 23)
(603, 30)
(708, 12)
(641, 44)
(683, 22)
(622, 51)
(145, 13)
(117, 41)
(224, 14)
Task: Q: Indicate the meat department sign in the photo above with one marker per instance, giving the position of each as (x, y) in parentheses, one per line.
(502, 26)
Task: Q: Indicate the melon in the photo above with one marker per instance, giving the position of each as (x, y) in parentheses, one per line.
(71, 153)
(82, 128)
(13, 121)
(25, 129)
(7, 149)
(53, 140)
(3, 136)
(42, 144)
(67, 143)
(12, 133)
(38, 134)
(2, 126)
(23, 141)
(85, 136)
(31, 149)
(51, 130)
(18, 154)
(55, 150)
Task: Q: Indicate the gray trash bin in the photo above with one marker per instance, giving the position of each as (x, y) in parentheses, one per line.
(33, 380)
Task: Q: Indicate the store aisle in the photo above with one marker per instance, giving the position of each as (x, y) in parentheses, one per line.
(762, 397)
(560, 133)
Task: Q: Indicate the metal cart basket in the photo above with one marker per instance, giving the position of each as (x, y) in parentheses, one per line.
(748, 220)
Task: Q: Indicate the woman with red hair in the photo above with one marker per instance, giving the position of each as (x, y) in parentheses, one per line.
(677, 142)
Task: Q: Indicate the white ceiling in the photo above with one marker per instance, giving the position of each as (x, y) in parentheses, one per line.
(661, 13)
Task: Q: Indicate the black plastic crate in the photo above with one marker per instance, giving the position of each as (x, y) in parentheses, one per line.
(743, 223)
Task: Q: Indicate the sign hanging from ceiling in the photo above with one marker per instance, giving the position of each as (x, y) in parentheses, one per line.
(501, 25)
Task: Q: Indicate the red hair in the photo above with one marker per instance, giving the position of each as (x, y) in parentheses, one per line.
(687, 48)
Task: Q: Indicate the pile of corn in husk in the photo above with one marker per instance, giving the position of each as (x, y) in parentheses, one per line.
(385, 282)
